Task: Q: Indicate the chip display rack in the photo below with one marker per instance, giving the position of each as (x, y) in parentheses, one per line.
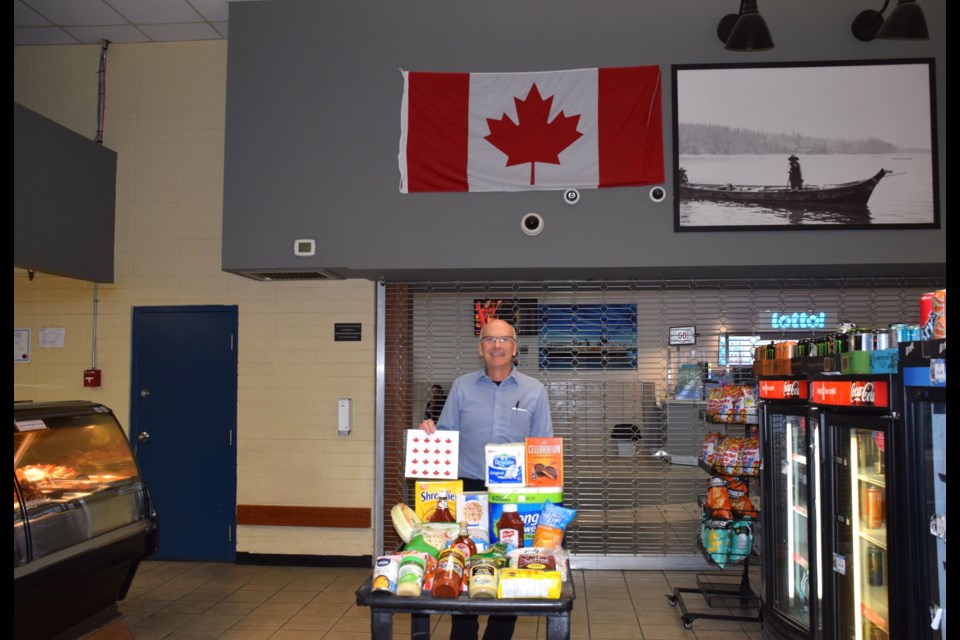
(727, 594)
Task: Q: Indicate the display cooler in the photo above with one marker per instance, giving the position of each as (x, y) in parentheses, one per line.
(82, 518)
(923, 440)
(790, 510)
(862, 548)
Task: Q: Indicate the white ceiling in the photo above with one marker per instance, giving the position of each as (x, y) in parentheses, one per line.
(48, 22)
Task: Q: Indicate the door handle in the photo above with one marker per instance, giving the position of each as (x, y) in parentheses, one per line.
(144, 393)
(144, 436)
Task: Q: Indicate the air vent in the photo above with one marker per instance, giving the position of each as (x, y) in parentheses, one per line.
(280, 276)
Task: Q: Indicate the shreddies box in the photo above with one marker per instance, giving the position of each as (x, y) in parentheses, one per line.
(544, 462)
(529, 503)
(425, 498)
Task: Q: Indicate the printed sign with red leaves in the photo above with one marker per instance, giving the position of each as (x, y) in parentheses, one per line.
(432, 457)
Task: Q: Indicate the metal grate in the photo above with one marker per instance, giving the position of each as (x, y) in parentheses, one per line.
(630, 445)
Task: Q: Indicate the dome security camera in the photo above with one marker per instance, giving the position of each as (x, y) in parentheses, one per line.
(531, 224)
(571, 196)
(657, 194)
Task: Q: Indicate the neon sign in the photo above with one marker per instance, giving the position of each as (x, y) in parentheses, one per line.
(798, 320)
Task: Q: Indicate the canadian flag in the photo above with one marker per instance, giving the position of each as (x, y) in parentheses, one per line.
(582, 128)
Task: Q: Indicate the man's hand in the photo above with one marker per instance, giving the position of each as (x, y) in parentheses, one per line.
(428, 426)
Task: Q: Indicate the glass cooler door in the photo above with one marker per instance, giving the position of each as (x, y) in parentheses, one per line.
(795, 560)
(860, 557)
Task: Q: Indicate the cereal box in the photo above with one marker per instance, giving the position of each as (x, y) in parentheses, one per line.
(425, 498)
(473, 506)
(544, 462)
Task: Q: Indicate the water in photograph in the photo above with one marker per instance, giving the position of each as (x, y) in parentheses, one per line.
(903, 197)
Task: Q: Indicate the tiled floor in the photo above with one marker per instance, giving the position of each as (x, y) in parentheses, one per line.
(253, 602)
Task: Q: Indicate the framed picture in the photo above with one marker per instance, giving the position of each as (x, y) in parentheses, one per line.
(522, 313)
(588, 336)
(818, 145)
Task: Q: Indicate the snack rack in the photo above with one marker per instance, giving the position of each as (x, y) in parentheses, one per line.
(725, 589)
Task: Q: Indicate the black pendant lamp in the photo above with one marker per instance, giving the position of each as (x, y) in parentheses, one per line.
(906, 22)
(745, 31)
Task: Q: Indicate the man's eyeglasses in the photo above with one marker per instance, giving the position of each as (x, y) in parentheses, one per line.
(497, 339)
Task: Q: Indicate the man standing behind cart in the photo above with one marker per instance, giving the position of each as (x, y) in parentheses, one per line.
(496, 404)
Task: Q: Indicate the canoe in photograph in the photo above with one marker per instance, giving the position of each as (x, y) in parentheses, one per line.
(846, 194)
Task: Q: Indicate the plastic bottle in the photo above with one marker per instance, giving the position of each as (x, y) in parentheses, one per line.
(510, 527)
(442, 512)
(448, 579)
(464, 542)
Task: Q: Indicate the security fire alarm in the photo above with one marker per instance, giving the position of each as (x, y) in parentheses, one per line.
(304, 247)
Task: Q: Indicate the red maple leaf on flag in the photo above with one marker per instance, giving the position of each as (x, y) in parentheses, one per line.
(533, 138)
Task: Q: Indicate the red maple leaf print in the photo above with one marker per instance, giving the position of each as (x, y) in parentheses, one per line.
(532, 138)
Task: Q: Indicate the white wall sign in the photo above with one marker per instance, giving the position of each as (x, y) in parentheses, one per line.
(21, 345)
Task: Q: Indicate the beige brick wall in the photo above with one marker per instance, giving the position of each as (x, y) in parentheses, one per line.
(164, 117)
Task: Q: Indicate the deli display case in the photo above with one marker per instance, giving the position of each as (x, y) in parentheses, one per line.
(82, 517)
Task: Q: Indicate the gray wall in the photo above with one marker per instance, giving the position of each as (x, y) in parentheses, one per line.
(313, 110)
(64, 197)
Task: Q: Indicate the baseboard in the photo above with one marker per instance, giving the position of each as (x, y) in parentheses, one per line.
(303, 560)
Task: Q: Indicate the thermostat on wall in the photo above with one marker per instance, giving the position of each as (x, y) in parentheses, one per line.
(304, 247)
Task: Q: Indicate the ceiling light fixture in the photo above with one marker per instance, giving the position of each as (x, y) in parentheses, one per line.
(745, 31)
(906, 22)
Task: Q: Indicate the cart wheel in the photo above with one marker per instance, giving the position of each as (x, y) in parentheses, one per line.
(687, 622)
(672, 600)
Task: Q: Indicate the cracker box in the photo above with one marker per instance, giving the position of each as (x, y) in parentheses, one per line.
(425, 498)
(544, 462)
(529, 501)
(505, 465)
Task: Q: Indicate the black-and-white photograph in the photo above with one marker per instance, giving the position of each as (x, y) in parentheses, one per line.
(808, 145)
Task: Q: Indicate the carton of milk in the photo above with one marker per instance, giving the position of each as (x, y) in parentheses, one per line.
(505, 465)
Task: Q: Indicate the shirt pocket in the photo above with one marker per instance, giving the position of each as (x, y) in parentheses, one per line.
(518, 424)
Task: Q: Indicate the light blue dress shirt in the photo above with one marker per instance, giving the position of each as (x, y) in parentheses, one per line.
(487, 413)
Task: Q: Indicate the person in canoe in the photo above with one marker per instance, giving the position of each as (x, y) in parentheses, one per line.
(795, 176)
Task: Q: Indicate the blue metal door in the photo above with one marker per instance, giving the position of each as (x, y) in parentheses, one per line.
(183, 425)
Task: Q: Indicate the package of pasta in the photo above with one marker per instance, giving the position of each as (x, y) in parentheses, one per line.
(717, 501)
(552, 524)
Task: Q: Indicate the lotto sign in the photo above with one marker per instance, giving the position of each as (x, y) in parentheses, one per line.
(683, 335)
(432, 456)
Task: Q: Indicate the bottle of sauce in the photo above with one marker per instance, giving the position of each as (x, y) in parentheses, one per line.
(448, 580)
(442, 512)
(464, 542)
(510, 527)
